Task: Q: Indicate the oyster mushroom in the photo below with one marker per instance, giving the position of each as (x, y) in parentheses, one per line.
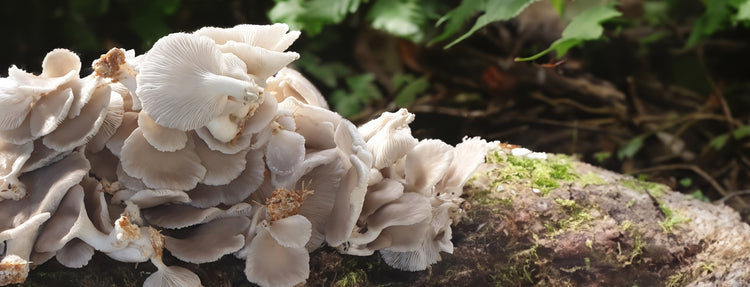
(180, 84)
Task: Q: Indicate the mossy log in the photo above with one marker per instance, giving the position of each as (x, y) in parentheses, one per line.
(533, 221)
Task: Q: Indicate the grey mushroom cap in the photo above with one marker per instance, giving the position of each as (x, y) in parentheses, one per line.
(270, 262)
(202, 244)
(179, 170)
(235, 191)
(177, 216)
(78, 130)
(127, 126)
(112, 121)
(221, 168)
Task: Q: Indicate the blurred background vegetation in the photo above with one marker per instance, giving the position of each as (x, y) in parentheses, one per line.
(658, 89)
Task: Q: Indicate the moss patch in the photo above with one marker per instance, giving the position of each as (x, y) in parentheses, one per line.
(543, 175)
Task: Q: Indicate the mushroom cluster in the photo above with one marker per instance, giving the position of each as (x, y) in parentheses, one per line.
(209, 138)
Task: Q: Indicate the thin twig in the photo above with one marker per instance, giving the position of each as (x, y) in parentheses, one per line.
(694, 168)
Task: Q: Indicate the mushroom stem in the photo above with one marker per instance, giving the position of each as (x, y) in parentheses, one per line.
(243, 91)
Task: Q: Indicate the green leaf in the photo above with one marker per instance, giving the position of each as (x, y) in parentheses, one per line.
(743, 11)
(698, 194)
(741, 132)
(631, 147)
(456, 18)
(345, 104)
(494, 10)
(362, 87)
(602, 156)
(584, 27)
(328, 73)
(715, 18)
(719, 141)
(406, 96)
(559, 6)
(686, 182)
(401, 18)
(312, 16)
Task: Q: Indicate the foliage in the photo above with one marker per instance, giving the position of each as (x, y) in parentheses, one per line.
(584, 27)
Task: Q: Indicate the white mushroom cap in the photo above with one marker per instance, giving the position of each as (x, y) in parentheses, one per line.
(162, 138)
(179, 170)
(167, 276)
(127, 126)
(388, 137)
(289, 82)
(75, 254)
(59, 62)
(15, 104)
(380, 194)
(210, 241)
(276, 255)
(121, 66)
(112, 121)
(410, 208)
(272, 37)
(180, 83)
(19, 135)
(77, 131)
(351, 194)
(49, 111)
(467, 156)
(13, 158)
(426, 164)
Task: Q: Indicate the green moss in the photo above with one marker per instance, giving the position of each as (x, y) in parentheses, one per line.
(591, 178)
(671, 218)
(675, 280)
(543, 174)
(656, 190)
(353, 278)
(577, 217)
(520, 268)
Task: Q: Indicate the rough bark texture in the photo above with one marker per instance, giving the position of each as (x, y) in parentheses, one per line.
(533, 222)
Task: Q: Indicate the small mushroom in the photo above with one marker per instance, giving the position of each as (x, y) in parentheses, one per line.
(276, 255)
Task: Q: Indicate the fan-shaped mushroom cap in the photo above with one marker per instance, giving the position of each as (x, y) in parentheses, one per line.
(179, 216)
(221, 168)
(59, 62)
(77, 131)
(167, 276)
(128, 125)
(351, 194)
(112, 121)
(19, 135)
(75, 254)
(15, 104)
(467, 156)
(235, 191)
(285, 152)
(261, 63)
(315, 124)
(149, 198)
(272, 37)
(289, 82)
(162, 138)
(50, 111)
(426, 164)
(179, 170)
(180, 83)
(13, 157)
(408, 209)
(380, 194)
(203, 245)
(276, 255)
(388, 137)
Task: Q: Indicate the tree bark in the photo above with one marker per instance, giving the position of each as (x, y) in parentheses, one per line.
(532, 222)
